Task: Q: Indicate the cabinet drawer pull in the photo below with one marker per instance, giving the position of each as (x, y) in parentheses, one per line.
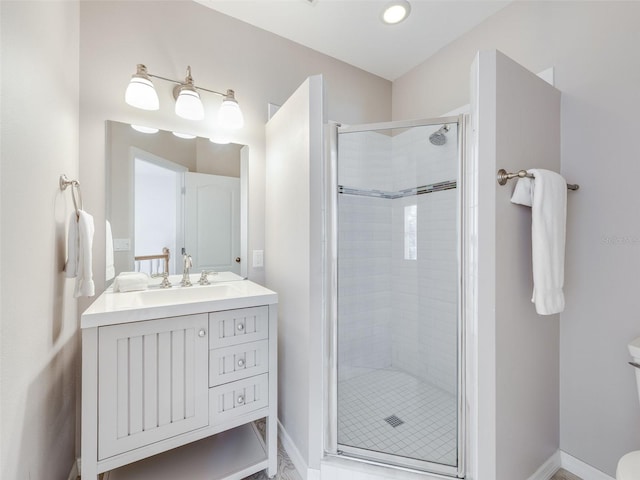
(240, 399)
(240, 327)
(241, 363)
(202, 332)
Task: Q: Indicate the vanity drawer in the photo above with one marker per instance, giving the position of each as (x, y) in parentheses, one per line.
(238, 398)
(232, 327)
(237, 362)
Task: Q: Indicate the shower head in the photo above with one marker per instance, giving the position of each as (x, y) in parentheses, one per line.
(438, 137)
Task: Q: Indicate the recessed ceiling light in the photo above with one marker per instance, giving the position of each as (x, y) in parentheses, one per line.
(395, 12)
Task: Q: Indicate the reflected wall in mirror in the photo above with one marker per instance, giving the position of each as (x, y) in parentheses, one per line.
(167, 195)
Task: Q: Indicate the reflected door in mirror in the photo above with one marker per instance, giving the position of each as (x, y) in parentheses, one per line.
(212, 226)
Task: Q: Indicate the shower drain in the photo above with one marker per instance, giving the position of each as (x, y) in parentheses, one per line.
(393, 421)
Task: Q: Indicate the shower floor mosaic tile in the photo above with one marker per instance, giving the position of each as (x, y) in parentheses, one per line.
(428, 414)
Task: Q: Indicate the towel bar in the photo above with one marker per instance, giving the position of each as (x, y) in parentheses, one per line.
(503, 176)
(75, 185)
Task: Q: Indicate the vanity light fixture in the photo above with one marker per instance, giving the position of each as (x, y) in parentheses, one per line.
(230, 114)
(141, 93)
(143, 129)
(188, 103)
(395, 12)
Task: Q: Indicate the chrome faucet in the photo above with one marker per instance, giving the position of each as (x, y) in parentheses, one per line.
(188, 263)
(204, 277)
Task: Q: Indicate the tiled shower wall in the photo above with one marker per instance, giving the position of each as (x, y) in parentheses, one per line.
(364, 265)
(395, 312)
(424, 291)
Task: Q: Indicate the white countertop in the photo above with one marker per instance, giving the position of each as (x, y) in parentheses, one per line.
(113, 308)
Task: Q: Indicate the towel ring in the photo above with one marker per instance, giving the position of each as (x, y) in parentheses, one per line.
(75, 186)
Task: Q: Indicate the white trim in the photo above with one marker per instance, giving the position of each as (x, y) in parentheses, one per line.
(548, 468)
(313, 474)
(74, 473)
(294, 454)
(581, 469)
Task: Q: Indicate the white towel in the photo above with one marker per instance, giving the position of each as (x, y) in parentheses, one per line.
(548, 200)
(523, 193)
(110, 269)
(71, 267)
(130, 282)
(84, 277)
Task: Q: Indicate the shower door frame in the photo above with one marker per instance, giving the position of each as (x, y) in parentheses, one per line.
(331, 446)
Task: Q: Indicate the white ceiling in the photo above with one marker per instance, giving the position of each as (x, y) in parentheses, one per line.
(351, 30)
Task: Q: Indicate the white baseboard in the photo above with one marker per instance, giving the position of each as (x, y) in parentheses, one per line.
(294, 454)
(548, 468)
(581, 469)
(74, 473)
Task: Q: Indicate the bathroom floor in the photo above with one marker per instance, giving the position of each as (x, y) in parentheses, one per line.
(286, 469)
(563, 474)
(393, 412)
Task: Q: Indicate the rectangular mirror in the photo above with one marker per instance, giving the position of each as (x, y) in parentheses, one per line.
(167, 195)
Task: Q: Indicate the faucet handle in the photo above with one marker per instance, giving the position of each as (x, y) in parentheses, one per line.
(204, 278)
(165, 279)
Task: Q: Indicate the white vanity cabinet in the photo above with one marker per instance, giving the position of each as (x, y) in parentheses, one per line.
(183, 376)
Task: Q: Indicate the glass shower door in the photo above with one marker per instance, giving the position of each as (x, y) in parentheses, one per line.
(397, 392)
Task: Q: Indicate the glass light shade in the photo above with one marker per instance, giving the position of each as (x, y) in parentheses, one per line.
(396, 12)
(230, 115)
(141, 94)
(186, 136)
(143, 129)
(188, 105)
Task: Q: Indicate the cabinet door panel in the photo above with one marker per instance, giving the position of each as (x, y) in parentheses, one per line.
(159, 387)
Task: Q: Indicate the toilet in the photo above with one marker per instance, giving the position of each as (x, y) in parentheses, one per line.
(629, 465)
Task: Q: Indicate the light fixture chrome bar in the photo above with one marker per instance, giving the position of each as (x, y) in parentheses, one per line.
(409, 192)
(181, 82)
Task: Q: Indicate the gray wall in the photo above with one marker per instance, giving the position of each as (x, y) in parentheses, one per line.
(38, 314)
(527, 394)
(588, 44)
(294, 252)
(223, 53)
